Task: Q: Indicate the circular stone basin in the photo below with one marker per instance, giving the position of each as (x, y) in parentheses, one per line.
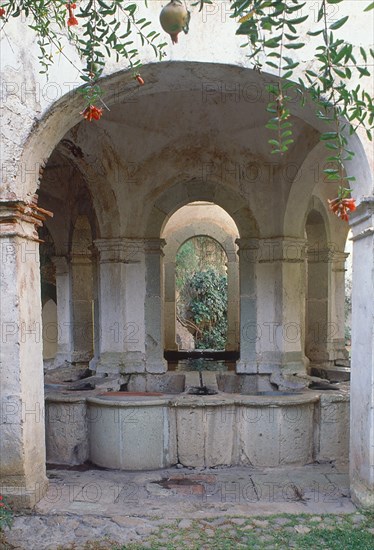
(121, 394)
(273, 393)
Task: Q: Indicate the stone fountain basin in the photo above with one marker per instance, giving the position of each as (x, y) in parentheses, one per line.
(140, 430)
(149, 432)
(120, 395)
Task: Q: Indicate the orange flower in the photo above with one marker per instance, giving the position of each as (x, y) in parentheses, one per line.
(92, 113)
(139, 79)
(2, 12)
(341, 206)
(350, 203)
(72, 21)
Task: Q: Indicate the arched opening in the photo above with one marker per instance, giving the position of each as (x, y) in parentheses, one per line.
(196, 234)
(202, 294)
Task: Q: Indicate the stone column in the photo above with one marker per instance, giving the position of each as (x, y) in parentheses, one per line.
(64, 316)
(336, 332)
(96, 307)
(22, 437)
(281, 305)
(82, 311)
(362, 360)
(154, 307)
(232, 305)
(318, 304)
(248, 252)
(121, 307)
(170, 307)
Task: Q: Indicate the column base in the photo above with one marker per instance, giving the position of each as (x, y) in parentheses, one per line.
(361, 494)
(156, 367)
(246, 367)
(60, 361)
(81, 357)
(273, 362)
(172, 347)
(19, 495)
(120, 363)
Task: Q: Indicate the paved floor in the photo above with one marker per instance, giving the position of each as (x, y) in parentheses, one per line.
(127, 506)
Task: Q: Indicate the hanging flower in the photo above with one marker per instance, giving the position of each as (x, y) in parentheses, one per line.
(2, 12)
(341, 207)
(92, 113)
(72, 20)
(139, 79)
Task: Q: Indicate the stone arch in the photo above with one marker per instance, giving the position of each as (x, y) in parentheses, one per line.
(310, 177)
(173, 242)
(325, 287)
(182, 193)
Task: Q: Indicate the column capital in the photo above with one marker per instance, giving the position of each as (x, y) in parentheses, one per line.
(362, 219)
(282, 249)
(247, 244)
(120, 250)
(80, 259)
(247, 249)
(21, 219)
(154, 246)
(61, 264)
(338, 258)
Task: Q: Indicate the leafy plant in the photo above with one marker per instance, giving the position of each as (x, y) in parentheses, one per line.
(201, 285)
(6, 514)
(207, 308)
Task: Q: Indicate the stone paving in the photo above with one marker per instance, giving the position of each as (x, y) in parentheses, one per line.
(126, 507)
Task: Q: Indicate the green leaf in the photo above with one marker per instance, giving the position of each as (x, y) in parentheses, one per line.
(315, 33)
(339, 72)
(363, 53)
(296, 46)
(363, 71)
(298, 20)
(339, 23)
(332, 146)
(369, 7)
(272, 43)
(271, 64)
(329, 135)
